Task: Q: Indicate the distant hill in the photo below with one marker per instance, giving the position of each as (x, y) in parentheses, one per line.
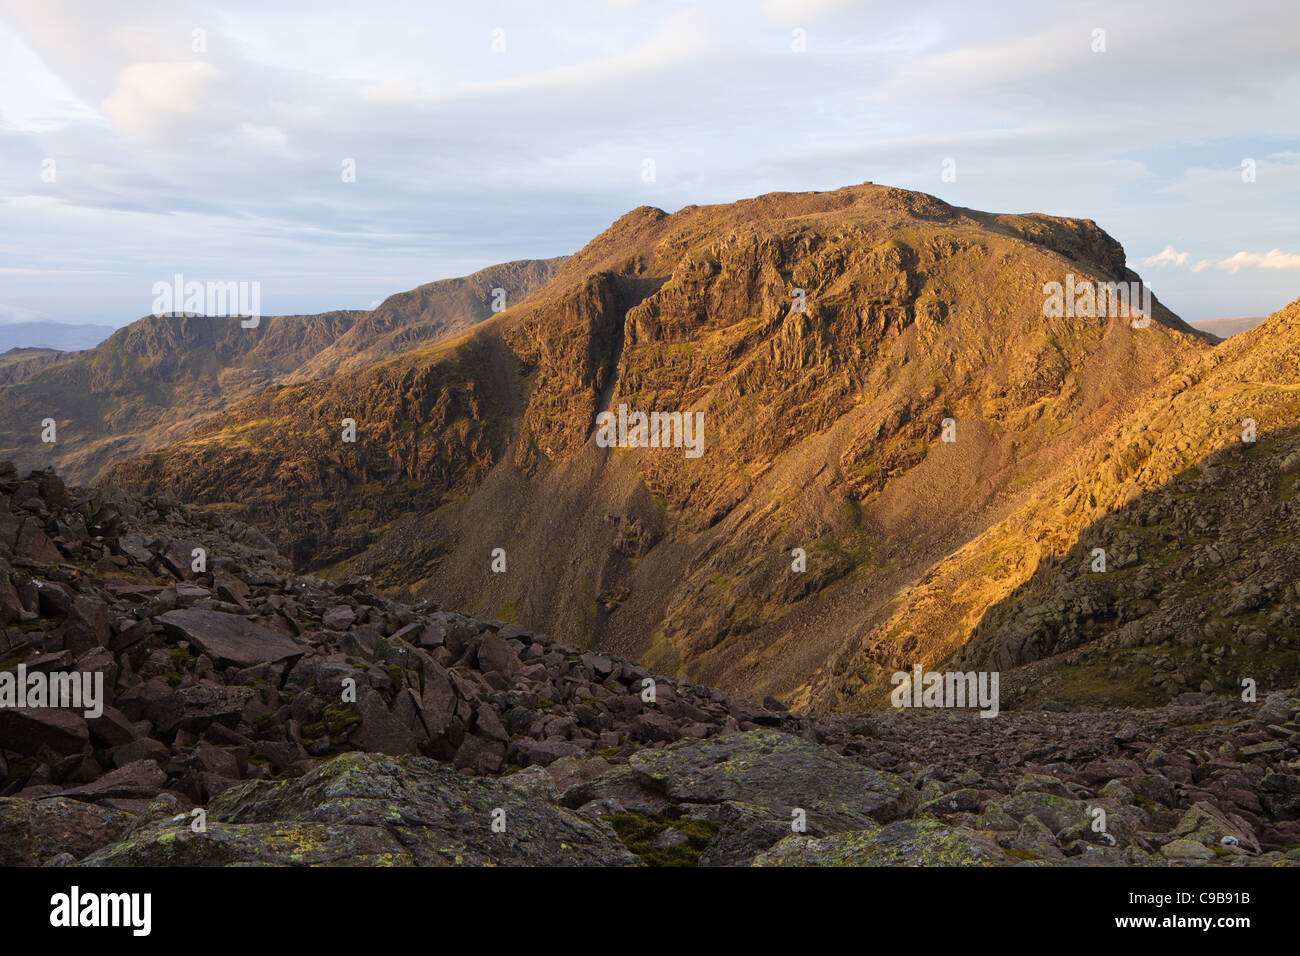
(17, 365)
(158, 378)
(52, 335)
(1226, 327)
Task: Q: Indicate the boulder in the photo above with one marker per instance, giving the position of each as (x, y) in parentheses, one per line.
(775, 771)
(368, 809)
(34, 831)
(28, 729)
(231, 639)
(902, 843)
(195, 708)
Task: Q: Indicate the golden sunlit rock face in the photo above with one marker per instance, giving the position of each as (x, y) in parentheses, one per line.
(899, 440)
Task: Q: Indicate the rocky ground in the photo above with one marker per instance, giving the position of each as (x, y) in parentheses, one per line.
(470, 741)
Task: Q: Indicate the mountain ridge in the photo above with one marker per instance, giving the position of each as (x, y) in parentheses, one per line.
(157, 379)
(484, 440)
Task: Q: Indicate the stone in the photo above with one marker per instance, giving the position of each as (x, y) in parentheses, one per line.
(369, 809)
(775, 771)
(33, 832)
(231, 639)
(195, 708)
(140, 779)
(1184, 849)
(338, 618)
(380, 731)
(902, 843)
(28, 729)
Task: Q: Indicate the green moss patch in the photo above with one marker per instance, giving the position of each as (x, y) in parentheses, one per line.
(639, 832)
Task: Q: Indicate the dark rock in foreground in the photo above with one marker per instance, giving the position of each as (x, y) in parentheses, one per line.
(324, 724)
(370, 810)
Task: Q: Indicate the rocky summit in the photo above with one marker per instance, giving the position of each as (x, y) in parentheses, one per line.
(248, 714)
(817, 343)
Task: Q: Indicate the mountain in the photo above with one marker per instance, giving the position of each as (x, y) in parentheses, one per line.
(439, 310)
(1199, 527)
(823, 431)
(63, 336)
(151, 382)
(19, 364)
(906, 456)
(318, 724)
(157, 379)
(1223, 328)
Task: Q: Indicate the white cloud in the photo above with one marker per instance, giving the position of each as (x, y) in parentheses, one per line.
(1167, 256)
(465, 157)
(259, 138)
(397, 89)
(10, 271)
(150, 98)
(681, 37)
(1273, 259)
(33, 99)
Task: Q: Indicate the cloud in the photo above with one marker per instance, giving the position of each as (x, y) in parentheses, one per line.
(1273, 259)
(13, 314)
(1167, 256)
(232, 158)
(679, 38)
(804, 9)
(1276, 177)
(150, 98)
(10, 271)
(397, 89)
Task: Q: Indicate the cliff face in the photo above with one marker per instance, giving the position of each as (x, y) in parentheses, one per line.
(19, 364)
(830, 342)
(1197, 526)
(1193, 501)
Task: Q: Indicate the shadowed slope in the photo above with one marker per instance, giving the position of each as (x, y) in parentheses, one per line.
(1162, 487)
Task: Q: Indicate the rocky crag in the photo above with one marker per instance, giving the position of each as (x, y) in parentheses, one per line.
(473, 741)
(825, 339)
(1191, 504)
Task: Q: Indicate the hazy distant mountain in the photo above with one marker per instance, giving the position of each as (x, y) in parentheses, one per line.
(1226, 327)
(51, 335)
(160, 377)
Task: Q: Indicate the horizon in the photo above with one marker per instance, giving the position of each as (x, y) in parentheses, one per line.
(165, 138)
(15, 318)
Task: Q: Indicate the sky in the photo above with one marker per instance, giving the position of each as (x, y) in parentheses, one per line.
(143, 139)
